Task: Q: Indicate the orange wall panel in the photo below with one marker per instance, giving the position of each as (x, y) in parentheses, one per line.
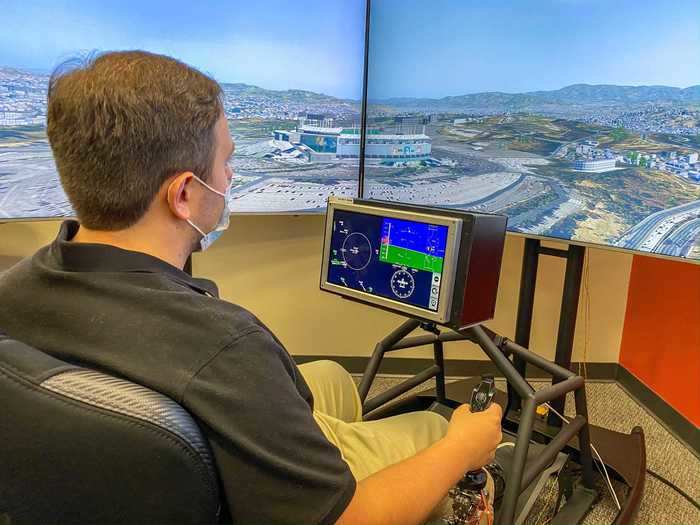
(661, 335)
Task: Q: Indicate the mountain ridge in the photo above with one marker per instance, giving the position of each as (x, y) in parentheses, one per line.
(575, 94)
(235, 88)
(572, 95)
(241, 88)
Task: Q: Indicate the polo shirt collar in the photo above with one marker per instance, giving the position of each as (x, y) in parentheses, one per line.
(89, 257)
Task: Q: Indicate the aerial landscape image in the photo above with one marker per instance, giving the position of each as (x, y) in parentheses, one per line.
(292, 83)
(566, 116)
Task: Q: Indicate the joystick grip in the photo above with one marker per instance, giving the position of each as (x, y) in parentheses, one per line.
(469, 499)
(482, 395)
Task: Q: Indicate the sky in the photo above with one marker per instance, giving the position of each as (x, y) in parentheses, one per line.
(437, 48)
(316, 45)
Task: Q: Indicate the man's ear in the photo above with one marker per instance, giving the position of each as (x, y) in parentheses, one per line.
(179, 195)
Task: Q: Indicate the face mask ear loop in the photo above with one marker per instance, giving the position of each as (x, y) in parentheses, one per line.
(196, 227)
(209, 238)
(209, 187)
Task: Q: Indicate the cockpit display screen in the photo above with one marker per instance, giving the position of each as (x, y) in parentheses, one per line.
(388, 257)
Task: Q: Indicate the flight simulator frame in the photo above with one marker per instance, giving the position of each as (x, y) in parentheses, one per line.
(500, 350)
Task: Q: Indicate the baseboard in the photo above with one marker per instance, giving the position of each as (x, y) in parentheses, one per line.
(453, 367)
(668, 416)
(674, 421)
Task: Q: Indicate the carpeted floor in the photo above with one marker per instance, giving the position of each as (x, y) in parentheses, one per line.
(611, 407)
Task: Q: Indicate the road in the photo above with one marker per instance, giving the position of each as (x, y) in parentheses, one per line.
(651, 232)
(681, 240)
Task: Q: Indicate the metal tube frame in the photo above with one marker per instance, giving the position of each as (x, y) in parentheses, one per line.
(380, 349)
(526, 303)
(499, 350)
(574, 256)
(399, 389)
(551, 450)
(567, 319)
(439, 358)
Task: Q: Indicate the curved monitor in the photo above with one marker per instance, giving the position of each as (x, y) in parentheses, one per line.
(558, 114)
(291, 76)
(427, 263)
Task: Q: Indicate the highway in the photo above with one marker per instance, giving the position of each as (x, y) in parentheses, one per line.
(651, 232)
(681, 239)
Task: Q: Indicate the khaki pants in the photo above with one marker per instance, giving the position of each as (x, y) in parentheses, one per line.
(370, 446)
(366, 446)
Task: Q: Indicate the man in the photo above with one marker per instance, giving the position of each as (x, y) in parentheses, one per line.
(142, 148)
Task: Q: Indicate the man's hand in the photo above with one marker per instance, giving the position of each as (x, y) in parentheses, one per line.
(478, 433)
(424, 479)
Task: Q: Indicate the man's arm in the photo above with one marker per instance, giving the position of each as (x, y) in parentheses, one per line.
(406, 493)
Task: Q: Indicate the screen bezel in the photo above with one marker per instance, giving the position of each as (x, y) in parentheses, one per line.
(454, 235)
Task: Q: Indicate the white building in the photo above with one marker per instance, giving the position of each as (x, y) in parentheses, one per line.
(595, 166)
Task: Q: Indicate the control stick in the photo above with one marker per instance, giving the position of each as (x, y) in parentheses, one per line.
(469, 497)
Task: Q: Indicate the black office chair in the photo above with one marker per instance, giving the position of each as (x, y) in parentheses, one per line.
(80, 446)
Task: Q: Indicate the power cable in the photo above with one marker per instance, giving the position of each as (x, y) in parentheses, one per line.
(672, 486)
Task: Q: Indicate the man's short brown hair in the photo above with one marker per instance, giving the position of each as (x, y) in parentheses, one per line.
(120, 124)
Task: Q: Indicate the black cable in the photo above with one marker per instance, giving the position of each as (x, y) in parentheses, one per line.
(675, 487)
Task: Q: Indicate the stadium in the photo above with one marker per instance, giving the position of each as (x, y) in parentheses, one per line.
(319, 140)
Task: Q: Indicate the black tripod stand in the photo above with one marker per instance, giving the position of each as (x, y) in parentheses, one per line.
(500, 350)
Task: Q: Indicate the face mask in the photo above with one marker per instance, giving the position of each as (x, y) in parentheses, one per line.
(209, 238)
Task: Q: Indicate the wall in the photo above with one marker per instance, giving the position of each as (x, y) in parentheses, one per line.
(271, 265)
(661, 339)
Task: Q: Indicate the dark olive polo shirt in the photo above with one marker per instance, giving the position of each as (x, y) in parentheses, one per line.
(136, 316)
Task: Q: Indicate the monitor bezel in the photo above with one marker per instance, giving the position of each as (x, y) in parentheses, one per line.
(454, 236)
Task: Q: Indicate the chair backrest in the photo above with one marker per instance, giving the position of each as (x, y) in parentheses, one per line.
(81, 446)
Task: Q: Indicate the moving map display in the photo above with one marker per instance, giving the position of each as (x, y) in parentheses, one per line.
(388, 257)
(578, 120)
(292, 82)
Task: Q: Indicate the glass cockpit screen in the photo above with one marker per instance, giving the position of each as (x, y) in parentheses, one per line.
(388, 257)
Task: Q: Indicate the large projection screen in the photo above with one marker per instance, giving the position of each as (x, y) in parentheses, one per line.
(579, 120)
(291, 75)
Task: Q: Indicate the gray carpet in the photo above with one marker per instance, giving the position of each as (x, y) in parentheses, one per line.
(611, 407)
